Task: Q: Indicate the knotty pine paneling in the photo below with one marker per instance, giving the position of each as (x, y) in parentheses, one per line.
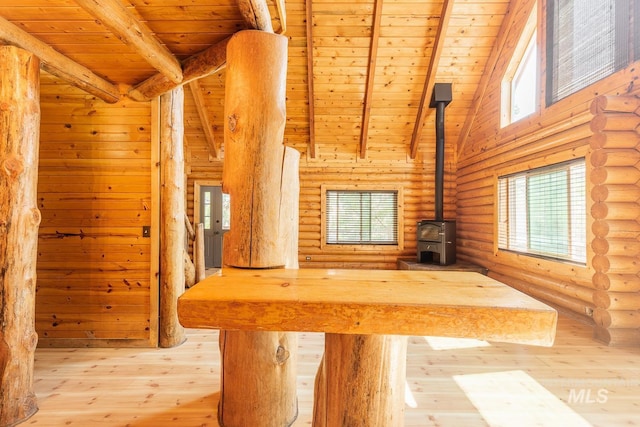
(556, 133)
(94, 193)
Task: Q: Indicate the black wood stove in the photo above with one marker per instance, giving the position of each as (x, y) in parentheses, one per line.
(436, 239)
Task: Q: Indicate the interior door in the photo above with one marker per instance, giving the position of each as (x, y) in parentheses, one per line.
(211, 214)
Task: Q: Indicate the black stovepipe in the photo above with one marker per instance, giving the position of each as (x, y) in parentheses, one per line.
(440, 160)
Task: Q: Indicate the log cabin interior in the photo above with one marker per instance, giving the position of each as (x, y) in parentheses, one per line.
(513, 125)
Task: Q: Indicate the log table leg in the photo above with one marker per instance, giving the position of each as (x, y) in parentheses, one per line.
(361, 381)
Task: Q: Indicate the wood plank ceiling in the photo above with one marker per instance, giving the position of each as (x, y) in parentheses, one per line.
(371, 63)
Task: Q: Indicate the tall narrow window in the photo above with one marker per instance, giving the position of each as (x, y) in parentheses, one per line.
(542, 212)
(587, 40)
(361, 217)
(520, 82)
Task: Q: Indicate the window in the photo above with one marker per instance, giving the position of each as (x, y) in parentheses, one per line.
(588, 40)
(542, 212)
(359, 217)
(520, 82)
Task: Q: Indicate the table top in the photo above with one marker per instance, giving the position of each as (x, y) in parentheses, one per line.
(392, 302)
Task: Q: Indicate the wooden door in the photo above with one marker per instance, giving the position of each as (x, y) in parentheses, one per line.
(211, 215)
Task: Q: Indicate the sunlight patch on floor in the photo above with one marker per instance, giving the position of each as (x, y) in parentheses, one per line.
(513, 398)
(444, 343)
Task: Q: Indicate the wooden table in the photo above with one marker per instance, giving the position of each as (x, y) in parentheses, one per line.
(362, 312)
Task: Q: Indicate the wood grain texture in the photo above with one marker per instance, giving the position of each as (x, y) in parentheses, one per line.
(459, 304)
(253, 173)
(179, 385)
(19, 221)
(172, 211)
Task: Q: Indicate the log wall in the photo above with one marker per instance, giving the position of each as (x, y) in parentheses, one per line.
(94, 192)
(615, 177)
(560, 132)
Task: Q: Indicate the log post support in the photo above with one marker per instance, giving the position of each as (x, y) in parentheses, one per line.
(19, 221)
(258, 369)
(361, 381)
(615, 193)
(172, 212)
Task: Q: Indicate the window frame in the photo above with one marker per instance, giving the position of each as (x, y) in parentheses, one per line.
(362, 246)
(529, 37)
(536, 171)
(546, 29)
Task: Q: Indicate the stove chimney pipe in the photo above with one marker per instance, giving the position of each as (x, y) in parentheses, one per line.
(440, 98)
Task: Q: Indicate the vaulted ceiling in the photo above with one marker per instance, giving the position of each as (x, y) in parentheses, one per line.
(368, 66)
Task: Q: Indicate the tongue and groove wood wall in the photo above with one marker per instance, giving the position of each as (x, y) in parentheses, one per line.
(94, 193)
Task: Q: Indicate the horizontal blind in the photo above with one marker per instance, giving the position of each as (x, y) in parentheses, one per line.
(361, 217)
(587, 40)
(543, 212)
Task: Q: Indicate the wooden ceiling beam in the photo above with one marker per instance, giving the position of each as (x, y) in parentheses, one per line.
(59, 65)
(371, 73)
(201, 107)
(434, 61)
(128, 28)
(256, 14)
(282, 13)
(310, 88)
(207, 62)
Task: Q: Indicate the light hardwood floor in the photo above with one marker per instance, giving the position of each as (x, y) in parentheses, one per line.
(450, 383)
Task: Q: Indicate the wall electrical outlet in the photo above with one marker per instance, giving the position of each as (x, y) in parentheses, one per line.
(146, 231)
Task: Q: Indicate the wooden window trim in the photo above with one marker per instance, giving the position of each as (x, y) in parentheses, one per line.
(361, 247)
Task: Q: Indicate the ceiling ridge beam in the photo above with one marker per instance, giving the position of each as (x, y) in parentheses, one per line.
(310, 87)
(201, 107)
(132, 32)
(371, 73)
(432, 70)
(58, 64)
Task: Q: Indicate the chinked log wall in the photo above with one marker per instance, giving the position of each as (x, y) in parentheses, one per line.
(615, 176)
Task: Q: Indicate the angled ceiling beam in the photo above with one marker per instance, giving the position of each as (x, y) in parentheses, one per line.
(373, 55)
(256, 14)
(59, 65)
(282, 13)
(209, 61)
(445, 17)
(310, 93)
(115, 16)
(201, 107)
(481, 89)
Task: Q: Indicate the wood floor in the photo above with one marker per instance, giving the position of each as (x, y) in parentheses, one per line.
(460, 383)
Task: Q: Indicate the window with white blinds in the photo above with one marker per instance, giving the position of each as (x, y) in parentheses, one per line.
(588, 40)
(361, 217)
(542, 212)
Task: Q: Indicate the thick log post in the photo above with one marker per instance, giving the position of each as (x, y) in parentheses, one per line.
(19, 221)
(253, 134)
(258, 384)
(361, 381)
(172, 211)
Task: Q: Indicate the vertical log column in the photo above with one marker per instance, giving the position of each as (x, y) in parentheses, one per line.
(172, 213)
(258, 383)
(615, 180)
(361, 381)
(19, 221)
